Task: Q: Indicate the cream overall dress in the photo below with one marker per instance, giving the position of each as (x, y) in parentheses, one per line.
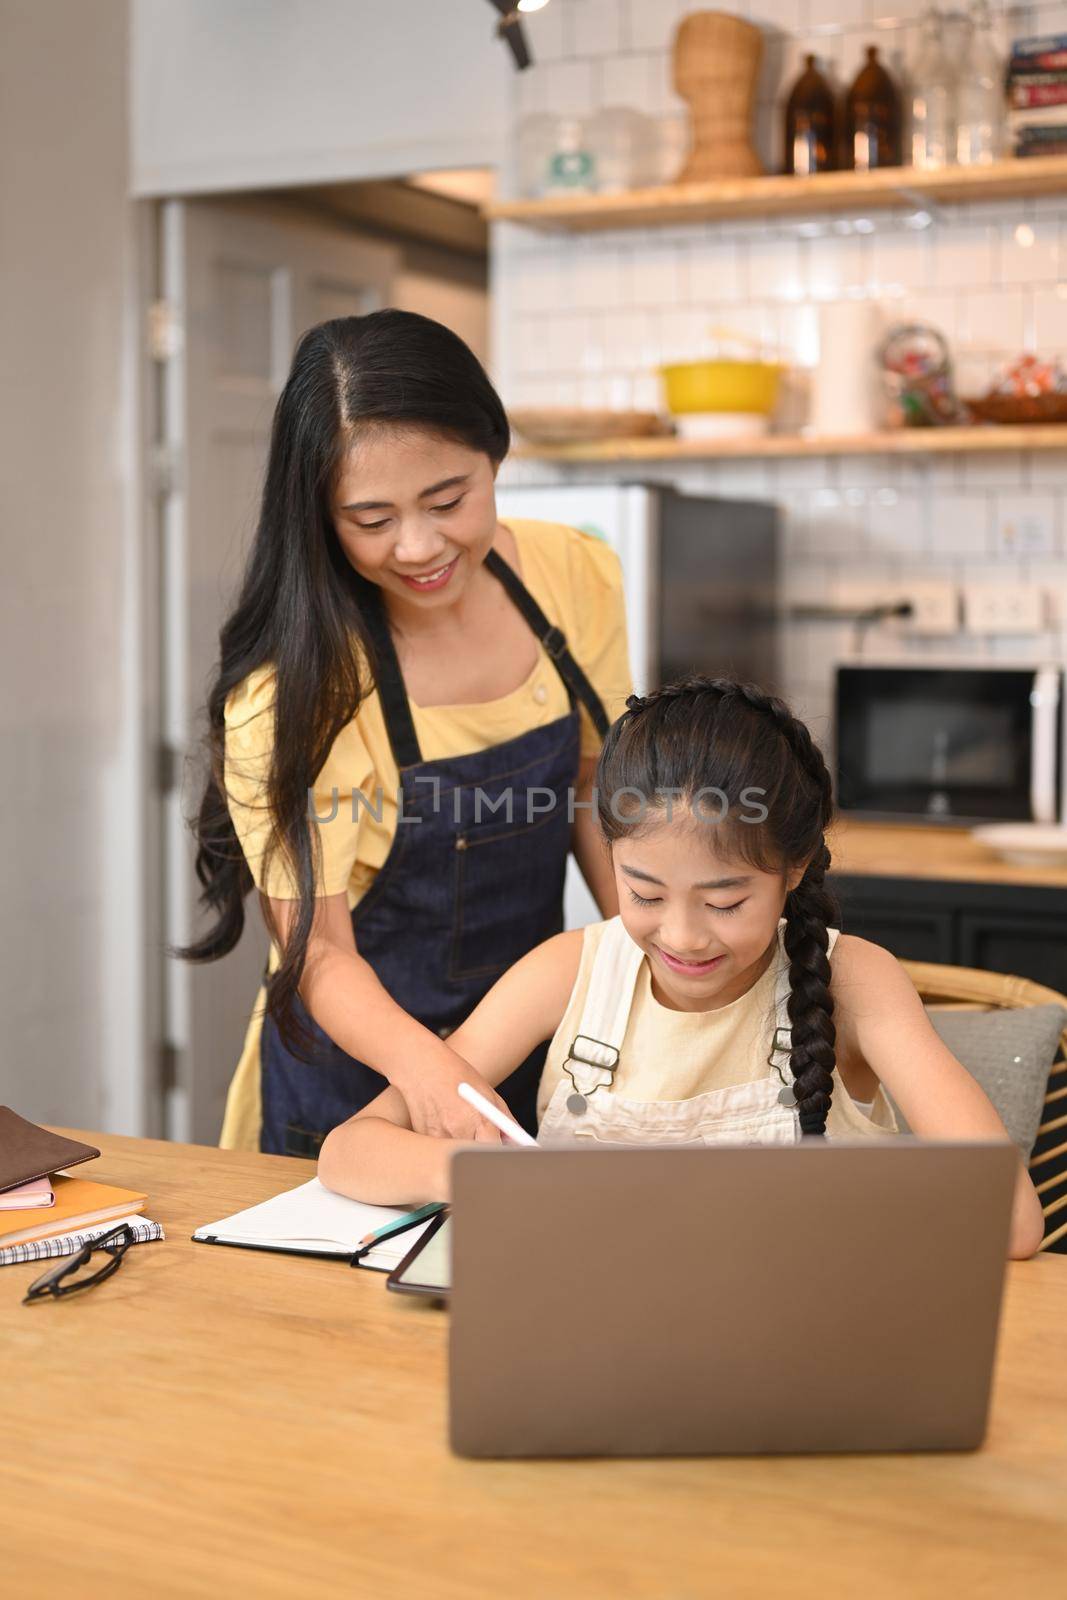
(618, 1052)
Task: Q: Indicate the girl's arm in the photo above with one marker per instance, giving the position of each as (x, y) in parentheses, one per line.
(587, 844)
(345, 997)
(377, 1157)
(881, 1019)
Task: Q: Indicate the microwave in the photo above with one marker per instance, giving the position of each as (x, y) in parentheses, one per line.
(955, 744)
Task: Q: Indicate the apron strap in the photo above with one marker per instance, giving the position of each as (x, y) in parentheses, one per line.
(552, 639)
(606, 1011)
(389, 682)
(396, 708)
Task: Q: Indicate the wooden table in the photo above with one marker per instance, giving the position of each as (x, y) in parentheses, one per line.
(217, 1422)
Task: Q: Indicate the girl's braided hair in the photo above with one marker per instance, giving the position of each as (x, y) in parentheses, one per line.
(715, 734)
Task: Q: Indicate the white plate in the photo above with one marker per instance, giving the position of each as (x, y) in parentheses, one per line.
(1026, 844)
(721, 424)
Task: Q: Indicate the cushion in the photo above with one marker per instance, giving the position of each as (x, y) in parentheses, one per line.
(1010, 1053)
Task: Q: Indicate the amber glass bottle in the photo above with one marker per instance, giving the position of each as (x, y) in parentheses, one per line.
(810, 131)
(872, 118)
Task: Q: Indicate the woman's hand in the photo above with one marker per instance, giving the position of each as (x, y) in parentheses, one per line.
(431, 1091)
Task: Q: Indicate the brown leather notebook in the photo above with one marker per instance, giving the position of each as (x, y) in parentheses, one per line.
(28, 1152)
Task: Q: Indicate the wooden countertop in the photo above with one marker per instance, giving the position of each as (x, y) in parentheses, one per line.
(214, 1421)
(896, 850)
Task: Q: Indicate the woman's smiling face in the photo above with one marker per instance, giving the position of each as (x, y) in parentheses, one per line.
(415, 513)
(705, 920)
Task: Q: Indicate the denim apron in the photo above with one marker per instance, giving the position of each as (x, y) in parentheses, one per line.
(473, 881)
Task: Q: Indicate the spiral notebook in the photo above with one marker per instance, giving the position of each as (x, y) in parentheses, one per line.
(313, 1221)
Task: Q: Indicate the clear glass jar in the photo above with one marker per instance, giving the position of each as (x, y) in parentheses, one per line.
(571, 166)
(980, 96)
(535, 147)
(933, 99)
(623, 145)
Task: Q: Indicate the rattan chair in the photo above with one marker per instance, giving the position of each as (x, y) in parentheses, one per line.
(962, 988)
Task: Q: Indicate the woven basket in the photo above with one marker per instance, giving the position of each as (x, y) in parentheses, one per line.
(716, 68)
(1021, 408)
(549, 425)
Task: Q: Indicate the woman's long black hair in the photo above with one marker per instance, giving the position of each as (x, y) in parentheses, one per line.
(714, 734)
(299, 609)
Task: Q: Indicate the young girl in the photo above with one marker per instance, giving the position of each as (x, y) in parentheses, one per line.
(720, 1004)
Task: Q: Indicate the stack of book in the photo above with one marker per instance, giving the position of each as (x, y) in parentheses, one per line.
(45, 1212)
(1037, 95)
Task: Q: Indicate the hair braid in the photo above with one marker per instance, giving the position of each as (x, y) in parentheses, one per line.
(809, 909)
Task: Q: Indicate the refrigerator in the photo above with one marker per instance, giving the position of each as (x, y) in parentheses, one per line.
(700, 578)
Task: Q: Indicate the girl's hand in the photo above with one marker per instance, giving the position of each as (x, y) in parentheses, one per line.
(434, 1105)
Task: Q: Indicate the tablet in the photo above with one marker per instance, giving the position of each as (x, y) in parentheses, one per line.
(427, 1267)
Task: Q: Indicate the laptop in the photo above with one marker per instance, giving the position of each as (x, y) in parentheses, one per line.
(728, 1300)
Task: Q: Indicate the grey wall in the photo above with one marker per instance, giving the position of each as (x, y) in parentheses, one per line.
(71, 941)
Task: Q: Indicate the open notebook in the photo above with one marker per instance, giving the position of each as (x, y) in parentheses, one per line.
(312, 1220)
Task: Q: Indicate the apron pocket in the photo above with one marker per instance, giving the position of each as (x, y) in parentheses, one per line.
(507, 866)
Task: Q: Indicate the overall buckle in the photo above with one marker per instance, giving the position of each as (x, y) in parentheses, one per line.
(597, 1058)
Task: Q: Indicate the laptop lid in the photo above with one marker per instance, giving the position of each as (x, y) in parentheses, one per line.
(819, 1296)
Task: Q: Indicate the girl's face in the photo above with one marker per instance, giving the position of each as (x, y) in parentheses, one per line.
(706, 921)
(415, 513)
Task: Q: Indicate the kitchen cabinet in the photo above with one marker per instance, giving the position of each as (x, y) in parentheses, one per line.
(997, 927)
(257, 95)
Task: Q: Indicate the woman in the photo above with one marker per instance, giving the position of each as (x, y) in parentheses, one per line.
(410, 705)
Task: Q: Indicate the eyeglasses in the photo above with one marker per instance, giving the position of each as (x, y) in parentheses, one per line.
(113, 1244)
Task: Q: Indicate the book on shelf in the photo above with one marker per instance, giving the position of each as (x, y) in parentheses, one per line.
(1025, 66)
(1039, 135)
(1037, 117)
(1041, 44)
(1026, 97)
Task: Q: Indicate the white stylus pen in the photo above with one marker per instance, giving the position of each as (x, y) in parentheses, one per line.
(498, 1118)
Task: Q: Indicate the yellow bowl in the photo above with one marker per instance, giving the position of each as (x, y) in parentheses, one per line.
(722, 386)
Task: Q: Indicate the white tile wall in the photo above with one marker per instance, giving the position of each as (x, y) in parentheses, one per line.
(587, 319)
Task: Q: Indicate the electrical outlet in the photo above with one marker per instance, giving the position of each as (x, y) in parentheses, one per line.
(935, 609)
(1025, 531)
(935, 605)
(993, 608)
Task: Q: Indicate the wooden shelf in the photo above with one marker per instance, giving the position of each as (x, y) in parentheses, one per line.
(899, 442)
(785, 197)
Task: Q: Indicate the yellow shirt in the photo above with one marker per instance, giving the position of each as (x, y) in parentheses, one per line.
(577, 581)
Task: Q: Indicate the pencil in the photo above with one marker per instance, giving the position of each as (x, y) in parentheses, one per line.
(401, 1224)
